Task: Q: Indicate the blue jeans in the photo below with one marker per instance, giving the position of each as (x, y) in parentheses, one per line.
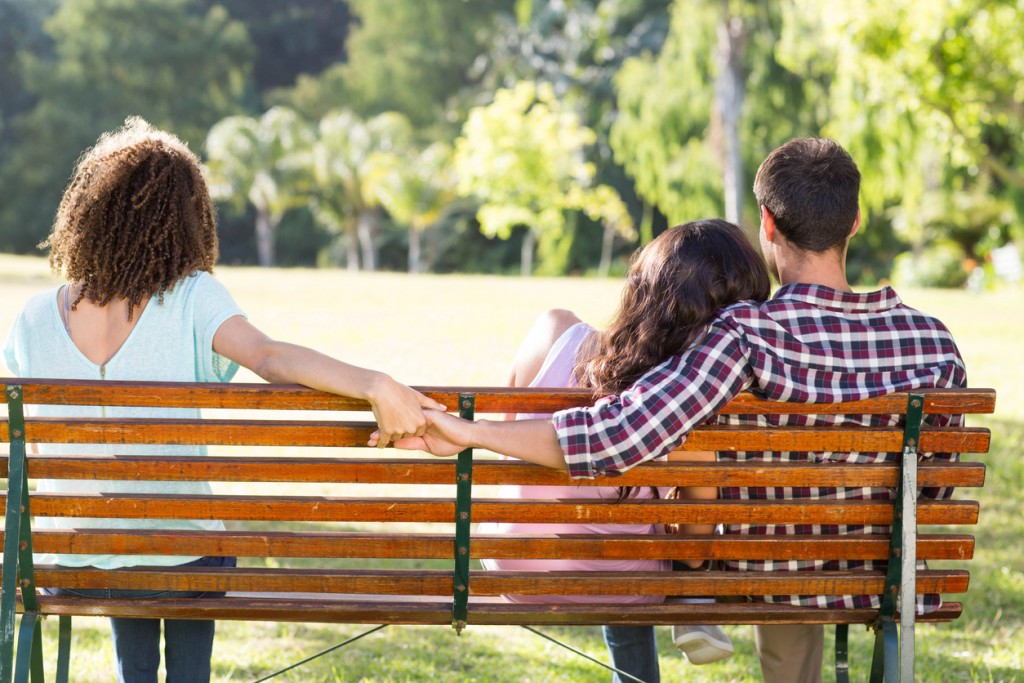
(634, 650)
(188, 643)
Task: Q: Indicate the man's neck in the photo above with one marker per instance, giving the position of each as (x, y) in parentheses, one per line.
(826, 270)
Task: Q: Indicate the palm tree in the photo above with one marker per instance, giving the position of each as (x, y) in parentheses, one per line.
(259, 160)
(352, 162)
(417, 193)
(522, 157)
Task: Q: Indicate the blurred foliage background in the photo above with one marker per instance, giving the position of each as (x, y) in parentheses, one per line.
(529, 136)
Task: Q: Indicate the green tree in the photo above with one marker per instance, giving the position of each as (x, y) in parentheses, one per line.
(21, 33)
(416, 193)
(406, 56)
(352, 163)
(260, 161)
(166, 60)
(291, 38)
(722, 102)
(578, 47)
(162, 59)
(522, 157)
(928, 96)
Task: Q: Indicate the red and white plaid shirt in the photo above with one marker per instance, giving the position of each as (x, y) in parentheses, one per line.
(808, 344)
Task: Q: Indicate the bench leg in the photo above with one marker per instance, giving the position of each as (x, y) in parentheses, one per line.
(892, 653)
(842, 653)
(38, 674)
(64, 650)
(885, 663)
(29, 661)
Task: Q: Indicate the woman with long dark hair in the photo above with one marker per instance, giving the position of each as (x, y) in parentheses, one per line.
(673, 290)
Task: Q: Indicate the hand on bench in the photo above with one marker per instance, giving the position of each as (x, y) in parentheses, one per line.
(444, 435)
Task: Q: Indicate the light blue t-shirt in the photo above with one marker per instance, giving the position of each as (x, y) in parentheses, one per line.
(172, 341)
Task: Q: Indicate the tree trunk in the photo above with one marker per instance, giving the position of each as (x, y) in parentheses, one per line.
(647, 224)
(367, 229)
(729, 93)
(353, 248)
(433, 248)
(526, 253)
(414, 251)
(265, 225)
(606, 250)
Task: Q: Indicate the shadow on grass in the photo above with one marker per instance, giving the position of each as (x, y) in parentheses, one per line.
(482, 653)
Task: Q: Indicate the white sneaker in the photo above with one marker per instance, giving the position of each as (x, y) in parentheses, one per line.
(702, 644)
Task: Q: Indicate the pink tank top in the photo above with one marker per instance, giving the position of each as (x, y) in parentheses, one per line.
(557, 372)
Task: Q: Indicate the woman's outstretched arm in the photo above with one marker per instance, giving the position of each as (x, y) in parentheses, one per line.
(397, 408)
(531, 440)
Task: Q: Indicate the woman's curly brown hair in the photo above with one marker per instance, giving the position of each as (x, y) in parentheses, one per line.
(674, 289)
(135, 218)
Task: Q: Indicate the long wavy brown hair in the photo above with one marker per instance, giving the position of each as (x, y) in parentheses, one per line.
(135, 218)
(674, 288)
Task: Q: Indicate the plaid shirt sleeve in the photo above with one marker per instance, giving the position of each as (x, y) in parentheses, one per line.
(655, 414)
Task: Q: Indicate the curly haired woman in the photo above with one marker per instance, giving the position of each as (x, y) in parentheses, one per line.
(135, 238)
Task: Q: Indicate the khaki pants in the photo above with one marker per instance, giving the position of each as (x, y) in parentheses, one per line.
(790, 653)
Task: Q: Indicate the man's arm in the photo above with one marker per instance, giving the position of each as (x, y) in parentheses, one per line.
(655, 414)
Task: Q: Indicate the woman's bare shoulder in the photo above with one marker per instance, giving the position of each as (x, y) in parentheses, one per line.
(538, 342)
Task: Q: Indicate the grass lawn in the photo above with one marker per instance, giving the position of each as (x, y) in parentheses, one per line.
(440, 330)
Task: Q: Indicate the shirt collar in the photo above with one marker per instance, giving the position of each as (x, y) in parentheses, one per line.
(820, 296)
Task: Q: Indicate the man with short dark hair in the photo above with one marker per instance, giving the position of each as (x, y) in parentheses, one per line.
(815, 341)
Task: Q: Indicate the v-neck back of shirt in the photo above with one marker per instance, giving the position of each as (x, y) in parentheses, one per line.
(61, 310)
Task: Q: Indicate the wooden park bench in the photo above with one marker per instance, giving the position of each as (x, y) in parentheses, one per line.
(296, 549)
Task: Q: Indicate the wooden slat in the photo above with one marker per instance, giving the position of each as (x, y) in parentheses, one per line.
(739, 474)
(729, 547)
(349, 434)
(725, 584)
(569, 511)
(246, 579)
(434, 471)
(496, 583)
(239, 395)
(936, 401)
(292, 544)
(834, 439)
(325, 609)
(199, 432)
(278, 544)
(488, 399)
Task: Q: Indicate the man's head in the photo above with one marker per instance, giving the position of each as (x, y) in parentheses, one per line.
(809, 186)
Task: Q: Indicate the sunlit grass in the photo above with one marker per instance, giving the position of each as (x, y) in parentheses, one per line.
(463, 330)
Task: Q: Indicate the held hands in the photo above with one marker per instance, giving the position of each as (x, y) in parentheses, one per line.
(399, 411)
(445, 435)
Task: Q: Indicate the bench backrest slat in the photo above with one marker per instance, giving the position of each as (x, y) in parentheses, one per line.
(319, 544)
(488, 399)
(442, 472)
(438, 582)
(355, 434)
(562, 511)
